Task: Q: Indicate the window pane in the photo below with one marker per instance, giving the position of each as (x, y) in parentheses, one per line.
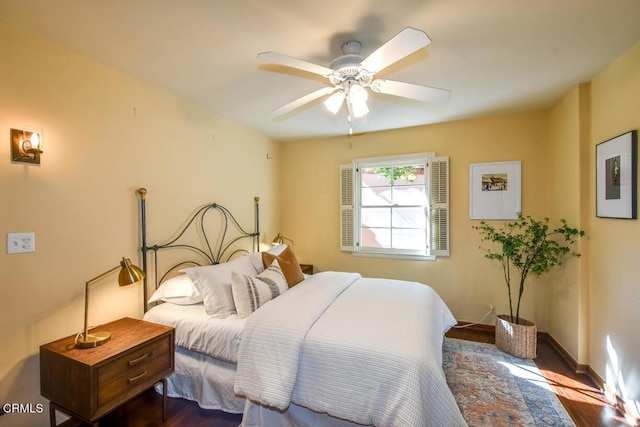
(410, 195)
(409, 239)
(408, 175)
(375, 177)
(375, 217)
(408, 218)
(376, 237)
(392, 203)
(376, 196)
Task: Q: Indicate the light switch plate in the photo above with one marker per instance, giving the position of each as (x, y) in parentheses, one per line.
(21, 243)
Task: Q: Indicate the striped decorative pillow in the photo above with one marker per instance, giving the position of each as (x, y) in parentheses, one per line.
(252, 292)
(214, 284)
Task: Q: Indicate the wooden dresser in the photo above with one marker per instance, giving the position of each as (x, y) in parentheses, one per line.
(88, 383)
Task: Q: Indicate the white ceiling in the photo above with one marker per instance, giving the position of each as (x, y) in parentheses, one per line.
(494, 55)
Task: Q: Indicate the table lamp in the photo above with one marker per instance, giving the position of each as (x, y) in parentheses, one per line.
(129, 274)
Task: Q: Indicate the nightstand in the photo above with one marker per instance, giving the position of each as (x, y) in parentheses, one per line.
(88, 383)
(307, 268)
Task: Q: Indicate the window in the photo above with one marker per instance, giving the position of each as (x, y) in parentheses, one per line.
(395, 206)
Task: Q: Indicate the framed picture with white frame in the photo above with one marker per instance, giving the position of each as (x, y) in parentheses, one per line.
(495, 190)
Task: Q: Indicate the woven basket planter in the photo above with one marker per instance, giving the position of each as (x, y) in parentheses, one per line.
(517, 340)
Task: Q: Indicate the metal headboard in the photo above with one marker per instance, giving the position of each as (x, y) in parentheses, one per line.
(222, 251)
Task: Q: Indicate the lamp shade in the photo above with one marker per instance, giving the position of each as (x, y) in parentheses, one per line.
(281, 240)
(358, 99)
(334, 102)
(359, 109)
(278, 240)
(35, 141)
(129, 273)
(357, 94)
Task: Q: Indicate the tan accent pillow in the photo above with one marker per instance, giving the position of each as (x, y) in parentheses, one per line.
(288, 263)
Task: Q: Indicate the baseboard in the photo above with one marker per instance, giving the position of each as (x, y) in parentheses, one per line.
(614, 397)
(541, 336)
(478, 327)
(578, 368)
(616, 401)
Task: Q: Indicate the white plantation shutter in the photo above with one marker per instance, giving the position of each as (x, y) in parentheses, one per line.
(346, 208)
(439, 210)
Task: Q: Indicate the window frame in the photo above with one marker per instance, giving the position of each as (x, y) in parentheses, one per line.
(437, 202)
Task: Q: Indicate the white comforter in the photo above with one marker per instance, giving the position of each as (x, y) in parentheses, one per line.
(364, 350)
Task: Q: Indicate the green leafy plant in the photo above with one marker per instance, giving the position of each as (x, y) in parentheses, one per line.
(405, 173)
(528, 246)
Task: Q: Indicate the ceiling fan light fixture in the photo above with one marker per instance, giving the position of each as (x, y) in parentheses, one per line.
(358, 100)
(359, 109)
(334, 102)
(357, 94)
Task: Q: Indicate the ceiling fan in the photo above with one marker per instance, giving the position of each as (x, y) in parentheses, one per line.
(351, 74)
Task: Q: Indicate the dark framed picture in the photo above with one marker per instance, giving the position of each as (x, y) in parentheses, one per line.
(617, 177)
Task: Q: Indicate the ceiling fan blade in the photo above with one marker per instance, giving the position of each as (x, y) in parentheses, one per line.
(303, 100)
(402, 44)
(411, 91)
(288, 61)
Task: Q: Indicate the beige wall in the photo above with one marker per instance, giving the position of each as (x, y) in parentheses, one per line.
(468, 282)
(80, 202)
(614, 274)
(564, 171)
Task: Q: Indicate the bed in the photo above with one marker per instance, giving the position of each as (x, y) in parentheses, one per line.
(255, 336)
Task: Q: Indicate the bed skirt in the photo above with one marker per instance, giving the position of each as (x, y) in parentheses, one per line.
(204, 380)
(295, 416)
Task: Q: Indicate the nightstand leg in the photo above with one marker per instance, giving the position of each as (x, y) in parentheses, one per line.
(52, 414)
(164, 399)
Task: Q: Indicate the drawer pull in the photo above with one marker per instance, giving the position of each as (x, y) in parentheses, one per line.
(139, 359)
(139, 377)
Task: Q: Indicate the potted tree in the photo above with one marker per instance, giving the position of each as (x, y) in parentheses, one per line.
(528, 246)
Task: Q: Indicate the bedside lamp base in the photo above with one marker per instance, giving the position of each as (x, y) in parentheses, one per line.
(93, 340)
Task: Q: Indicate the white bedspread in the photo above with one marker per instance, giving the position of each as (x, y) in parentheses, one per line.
(364, 350)
(196, 331)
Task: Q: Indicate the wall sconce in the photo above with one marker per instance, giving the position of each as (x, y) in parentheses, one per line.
(26, 146)
(129, 274)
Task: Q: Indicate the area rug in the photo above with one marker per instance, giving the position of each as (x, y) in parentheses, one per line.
(493, 388)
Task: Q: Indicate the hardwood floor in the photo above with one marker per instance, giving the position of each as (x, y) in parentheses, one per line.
(146, 411)
(578, 393)
(584, 402)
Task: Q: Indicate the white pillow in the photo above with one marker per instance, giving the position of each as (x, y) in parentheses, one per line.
(214, 284)
(177, 290)
(250, 293)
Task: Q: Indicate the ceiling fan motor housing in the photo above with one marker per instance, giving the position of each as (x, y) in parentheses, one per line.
(350, 61)
(347, 66)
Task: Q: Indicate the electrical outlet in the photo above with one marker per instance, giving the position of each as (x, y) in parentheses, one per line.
(21, 242)
(493, 309)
